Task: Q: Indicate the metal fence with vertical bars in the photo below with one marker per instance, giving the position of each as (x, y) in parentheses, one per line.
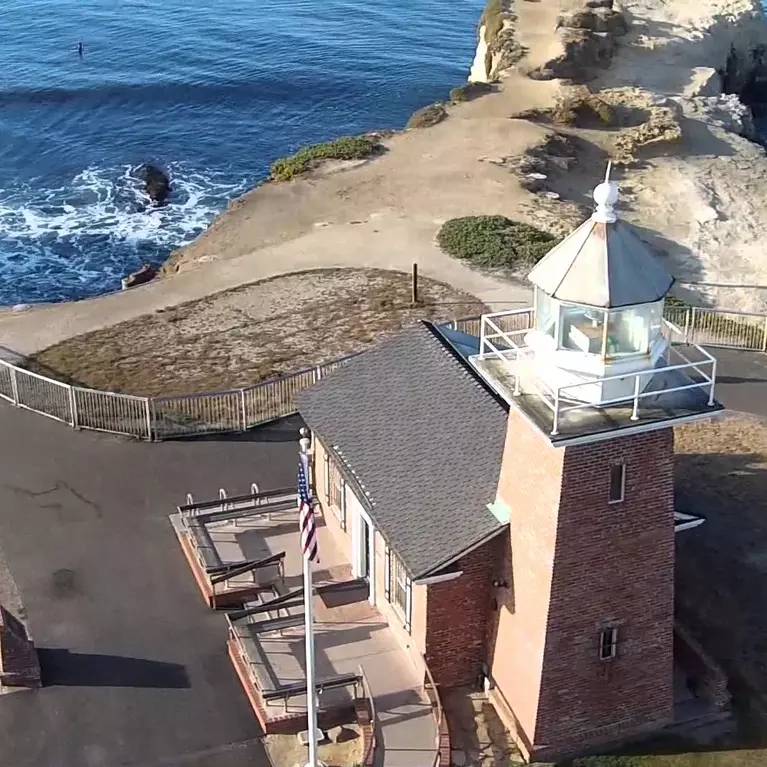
(158, 418)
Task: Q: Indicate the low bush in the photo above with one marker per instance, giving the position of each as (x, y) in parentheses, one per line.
(494, 241)
(582, 108)
(470, 91)
(345, 148)
(427, 116)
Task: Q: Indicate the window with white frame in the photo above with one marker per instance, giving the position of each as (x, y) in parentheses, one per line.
(617, 490)
(335, 490)
(608, 643)
(398, 586)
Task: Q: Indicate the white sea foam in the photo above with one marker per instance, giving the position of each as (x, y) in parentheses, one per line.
(80, 238)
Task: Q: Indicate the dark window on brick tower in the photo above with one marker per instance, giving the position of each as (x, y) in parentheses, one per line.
(608, 643)
(617, 482)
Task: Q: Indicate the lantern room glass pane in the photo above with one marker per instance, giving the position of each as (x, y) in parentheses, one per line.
(546, 310)
(628, 331)
(582, 328)
(656, 319)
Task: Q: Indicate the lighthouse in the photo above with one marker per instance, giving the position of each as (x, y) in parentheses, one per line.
(581, 646)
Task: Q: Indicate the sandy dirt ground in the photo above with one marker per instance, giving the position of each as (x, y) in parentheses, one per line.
(258, 331)
(286, 751)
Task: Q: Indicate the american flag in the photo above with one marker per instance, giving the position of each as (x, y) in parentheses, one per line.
(306, 512)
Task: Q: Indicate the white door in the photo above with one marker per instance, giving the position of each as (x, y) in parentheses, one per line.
(363, 542)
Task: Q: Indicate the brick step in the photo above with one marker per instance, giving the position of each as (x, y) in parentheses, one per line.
(706, 727)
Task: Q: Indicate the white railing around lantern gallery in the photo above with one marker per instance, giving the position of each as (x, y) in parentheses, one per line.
(509, 347)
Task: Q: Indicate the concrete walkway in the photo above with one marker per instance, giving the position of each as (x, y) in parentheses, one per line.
(394, 244)
(347, 636)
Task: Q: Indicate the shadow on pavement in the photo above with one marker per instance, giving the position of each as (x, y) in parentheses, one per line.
(63, 668)
(282, 430)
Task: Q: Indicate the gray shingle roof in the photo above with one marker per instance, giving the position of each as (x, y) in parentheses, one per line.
(424, 438)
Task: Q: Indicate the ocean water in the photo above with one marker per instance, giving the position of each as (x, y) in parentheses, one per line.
(212, 91)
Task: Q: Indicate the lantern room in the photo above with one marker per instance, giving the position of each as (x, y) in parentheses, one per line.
(598, 307)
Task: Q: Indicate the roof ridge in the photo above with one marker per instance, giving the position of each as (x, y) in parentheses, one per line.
(465, 368)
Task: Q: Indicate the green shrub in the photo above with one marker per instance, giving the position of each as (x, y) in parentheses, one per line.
(607, 761)
(427, 116)
(345, 148)
(494, 241)
(470, 91)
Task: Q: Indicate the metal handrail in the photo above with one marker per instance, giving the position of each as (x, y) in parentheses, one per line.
(436, 708)
(552, 398)
(368, 693)
(150, 418)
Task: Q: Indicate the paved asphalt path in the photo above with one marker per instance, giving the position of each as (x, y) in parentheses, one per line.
(135, 665)
(741, 379)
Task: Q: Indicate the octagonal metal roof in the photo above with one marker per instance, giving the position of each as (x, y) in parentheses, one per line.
(603, 263)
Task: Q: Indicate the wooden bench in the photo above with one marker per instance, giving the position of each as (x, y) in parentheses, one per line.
(203, 544)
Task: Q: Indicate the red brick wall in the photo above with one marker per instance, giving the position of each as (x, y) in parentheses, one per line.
(579, 564)
(19, 664)
(457, 618)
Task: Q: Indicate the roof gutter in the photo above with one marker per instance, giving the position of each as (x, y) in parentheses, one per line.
(434, 579)
(481, 542)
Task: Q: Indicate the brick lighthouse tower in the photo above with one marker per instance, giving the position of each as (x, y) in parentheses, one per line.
(581, 653)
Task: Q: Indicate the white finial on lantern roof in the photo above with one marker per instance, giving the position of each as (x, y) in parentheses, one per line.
(605, 196)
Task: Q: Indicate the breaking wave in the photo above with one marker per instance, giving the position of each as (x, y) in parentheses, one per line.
(80, 239)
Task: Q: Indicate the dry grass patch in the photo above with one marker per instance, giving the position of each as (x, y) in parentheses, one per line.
(242, 336)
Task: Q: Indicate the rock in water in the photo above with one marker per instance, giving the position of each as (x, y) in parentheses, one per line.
(139, 277)
(157, 183)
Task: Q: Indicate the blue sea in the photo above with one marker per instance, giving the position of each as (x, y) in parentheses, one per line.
(212, 91)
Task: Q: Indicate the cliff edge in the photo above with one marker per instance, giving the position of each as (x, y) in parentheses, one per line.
(664, 89)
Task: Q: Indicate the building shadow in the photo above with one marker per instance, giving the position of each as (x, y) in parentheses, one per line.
(280, 430)
(721, 567)
(63, 668)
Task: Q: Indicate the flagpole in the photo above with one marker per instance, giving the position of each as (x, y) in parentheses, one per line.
(311, 685)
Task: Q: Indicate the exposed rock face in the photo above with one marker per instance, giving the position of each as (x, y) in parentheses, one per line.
(157, 183)
(724, 111)
(661, 127)
(497, 48)
(706, 81)
(139, 277)
(684, 81)
(588, 43)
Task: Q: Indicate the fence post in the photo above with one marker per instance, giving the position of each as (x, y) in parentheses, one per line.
(687, 325)
(318, 373)
(764, 336)
(73, 406)
(14, 386)
(148, 407)
(693, 318)
(242, 410)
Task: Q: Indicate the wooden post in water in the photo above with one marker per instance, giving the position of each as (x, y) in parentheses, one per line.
(414, 296)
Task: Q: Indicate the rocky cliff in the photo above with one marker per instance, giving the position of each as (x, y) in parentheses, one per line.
(686, 78)
(664, 89)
